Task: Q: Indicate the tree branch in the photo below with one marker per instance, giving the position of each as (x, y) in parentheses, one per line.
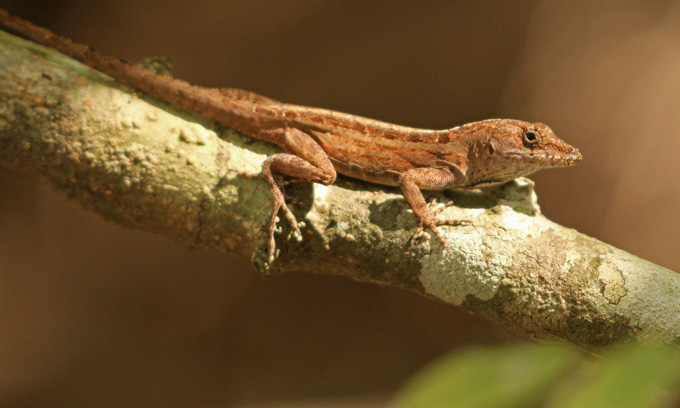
(148, 165)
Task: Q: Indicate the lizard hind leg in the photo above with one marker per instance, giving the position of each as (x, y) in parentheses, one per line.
(306, 161)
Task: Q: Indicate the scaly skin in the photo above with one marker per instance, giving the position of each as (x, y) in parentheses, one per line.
(320, 143)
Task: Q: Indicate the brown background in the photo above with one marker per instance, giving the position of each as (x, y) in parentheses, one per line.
(95, 315)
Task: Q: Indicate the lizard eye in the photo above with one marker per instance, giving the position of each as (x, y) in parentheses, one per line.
(529, 138)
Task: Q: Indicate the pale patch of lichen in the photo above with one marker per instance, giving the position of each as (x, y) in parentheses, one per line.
(481, 254)
(642, 297)
(613, 285)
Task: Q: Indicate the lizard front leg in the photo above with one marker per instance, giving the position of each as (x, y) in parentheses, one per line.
(411, 183)
(304, 160)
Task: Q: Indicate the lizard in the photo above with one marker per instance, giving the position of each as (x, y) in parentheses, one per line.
(319, 143)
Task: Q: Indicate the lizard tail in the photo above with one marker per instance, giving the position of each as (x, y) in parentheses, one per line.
(212, 103)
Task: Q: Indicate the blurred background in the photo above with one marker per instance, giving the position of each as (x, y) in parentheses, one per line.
(92, 314)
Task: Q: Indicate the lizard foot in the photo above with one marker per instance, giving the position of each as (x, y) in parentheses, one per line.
(431, 222)
(276, 187)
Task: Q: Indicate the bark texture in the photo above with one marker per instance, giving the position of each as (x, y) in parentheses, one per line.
(148, 165)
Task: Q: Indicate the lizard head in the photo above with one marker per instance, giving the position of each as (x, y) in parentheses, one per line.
(512, 148)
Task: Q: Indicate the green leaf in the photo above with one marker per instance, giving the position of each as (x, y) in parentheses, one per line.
(629, 377)
(507, 376)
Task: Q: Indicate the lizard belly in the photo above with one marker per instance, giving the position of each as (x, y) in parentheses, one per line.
(373, 174)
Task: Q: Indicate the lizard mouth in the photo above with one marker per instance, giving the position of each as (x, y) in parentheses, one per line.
(542, 157)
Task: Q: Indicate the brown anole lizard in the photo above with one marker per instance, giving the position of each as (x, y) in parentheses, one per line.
(320, 143)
